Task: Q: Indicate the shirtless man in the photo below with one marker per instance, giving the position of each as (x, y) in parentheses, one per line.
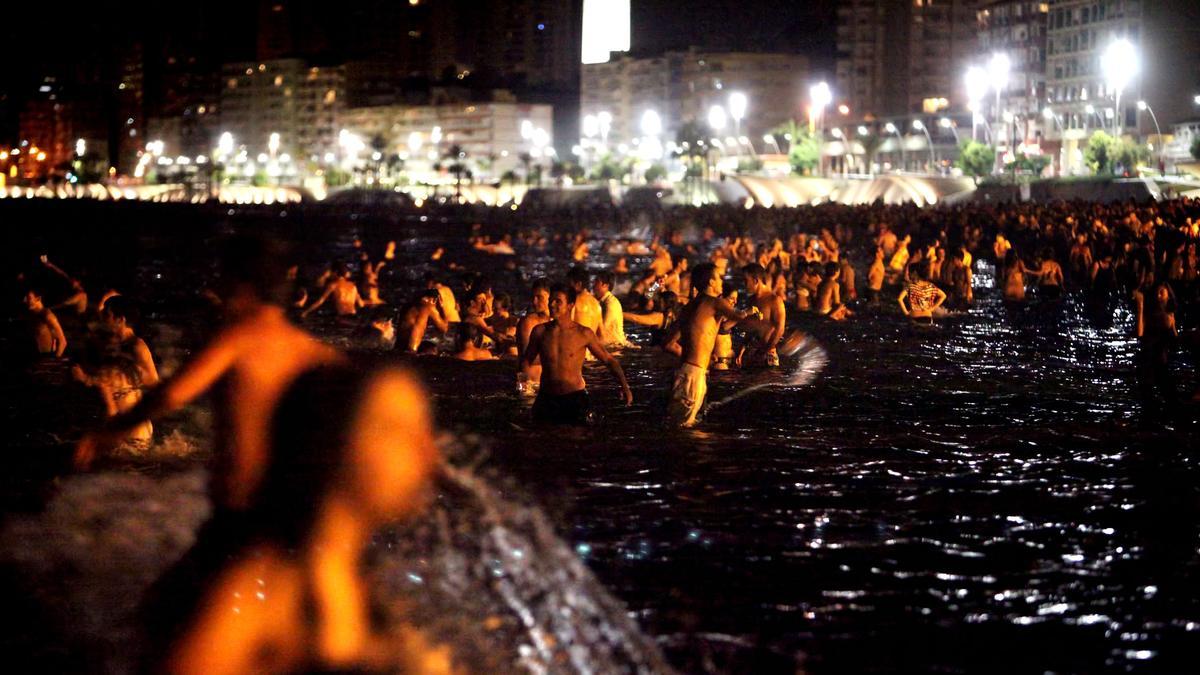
(829, 295)
(923, 297)
(528, 378)
(1050, 276)
(875, 276)
(346, 299)
(694, 335)
(560, 344)
(251, 360)
(47, 333)
(766, 332)
(448, 304)
(416, 318)
(587, 312)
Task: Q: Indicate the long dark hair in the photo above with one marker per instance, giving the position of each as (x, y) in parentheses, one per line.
(310, 439)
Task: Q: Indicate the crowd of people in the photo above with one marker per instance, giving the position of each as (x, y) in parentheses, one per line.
(715, 286)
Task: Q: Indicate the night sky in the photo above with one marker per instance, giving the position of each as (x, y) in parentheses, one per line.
(62, 37)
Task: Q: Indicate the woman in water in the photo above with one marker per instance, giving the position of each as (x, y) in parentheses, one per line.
(356, 451)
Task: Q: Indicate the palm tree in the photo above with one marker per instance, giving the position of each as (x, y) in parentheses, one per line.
(456, 155)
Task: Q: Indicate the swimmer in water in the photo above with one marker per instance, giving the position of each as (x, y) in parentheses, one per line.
(560, 345)
(694, 335)
(45, 331)
(346, 299)
(766, 331)
(875, 277)
(528, 378)
(416, 318)
(294, 598)
(612, 324)
(829, 295)
(923, 297)
(587, 312)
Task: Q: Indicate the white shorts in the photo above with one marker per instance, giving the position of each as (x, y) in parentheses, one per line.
(687, 394)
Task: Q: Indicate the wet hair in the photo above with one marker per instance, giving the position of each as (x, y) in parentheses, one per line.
(541, 284)
(430, 293)
(121, 307)
(311, 439)
(257, 264)
(605, 277)
(756, 271)
(341, 270)
(577, 275)
(566, 290)
(701, 274)
(502, 301)
(832, 269)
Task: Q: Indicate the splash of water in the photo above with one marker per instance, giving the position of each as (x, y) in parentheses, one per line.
(811, 359)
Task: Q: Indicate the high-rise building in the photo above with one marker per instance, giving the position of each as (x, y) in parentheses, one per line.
(1017, 29)
(682, 87)
(1165, 64)
(489, 134)
(902, 57)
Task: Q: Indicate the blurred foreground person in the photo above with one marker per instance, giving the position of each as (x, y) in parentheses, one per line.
(250, 361)
(355, 451)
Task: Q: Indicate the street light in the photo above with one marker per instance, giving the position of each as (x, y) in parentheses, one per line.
(947, 123)
(273, 144)
(604, 119)
(737, 110)
(998, 69)
(920, 126)
(1142, 105)
(716, 118)
(651, 123)
(819, 96)
(862, 130)
(770, 138)
(891, 129)
(591, 126)
(1119, 63)
(977, 86)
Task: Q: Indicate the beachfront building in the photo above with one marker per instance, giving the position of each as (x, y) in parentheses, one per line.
(903, 58)
(683, 86)
(1165, 68)
(489, 138)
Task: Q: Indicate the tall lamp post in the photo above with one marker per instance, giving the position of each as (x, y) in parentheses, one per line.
(716, 121)
(891, 129)
(819, 96)
(947, 123)
(1119, 63)
(920, 126)
(737, 110)
(1142, 105)
(977, 86)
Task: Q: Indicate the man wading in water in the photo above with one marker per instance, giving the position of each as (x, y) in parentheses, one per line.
(560, 344)
(695, 333)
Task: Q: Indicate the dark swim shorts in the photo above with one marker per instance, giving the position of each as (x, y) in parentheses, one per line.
(573, 409)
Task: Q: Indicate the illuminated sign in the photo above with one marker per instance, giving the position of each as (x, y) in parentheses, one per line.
(605, 29)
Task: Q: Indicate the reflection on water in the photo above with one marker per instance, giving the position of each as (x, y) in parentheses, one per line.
(984, 494)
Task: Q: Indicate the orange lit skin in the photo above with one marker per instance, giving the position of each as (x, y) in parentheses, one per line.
(346, 299)
(260, 353)
(390, 458)
(560, 346)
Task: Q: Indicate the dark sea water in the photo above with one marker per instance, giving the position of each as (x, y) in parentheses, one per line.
(985, 495)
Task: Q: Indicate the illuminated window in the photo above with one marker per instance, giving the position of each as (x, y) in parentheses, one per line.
(278, 80)
(330, 96)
